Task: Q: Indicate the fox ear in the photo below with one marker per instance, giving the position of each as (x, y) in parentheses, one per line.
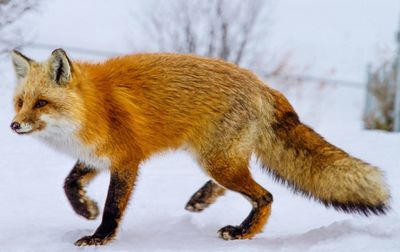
(21, 64)
(60, 67)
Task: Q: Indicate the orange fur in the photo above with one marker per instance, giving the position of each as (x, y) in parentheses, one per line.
(129, 108)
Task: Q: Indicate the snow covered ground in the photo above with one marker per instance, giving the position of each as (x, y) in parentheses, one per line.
(35, 215)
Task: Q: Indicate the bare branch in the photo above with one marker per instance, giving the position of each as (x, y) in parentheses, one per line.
(10, 13)
(213, 28)
(247, 29)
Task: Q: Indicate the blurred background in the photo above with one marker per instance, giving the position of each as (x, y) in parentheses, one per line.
(338, 62)
(304, 48)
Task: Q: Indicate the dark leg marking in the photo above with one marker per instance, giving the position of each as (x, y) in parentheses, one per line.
(117, 198)
(261, 209)
(74, 185)
(204, 197)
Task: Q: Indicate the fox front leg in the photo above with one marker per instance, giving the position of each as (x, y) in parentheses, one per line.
(74, 188)
(121, 184)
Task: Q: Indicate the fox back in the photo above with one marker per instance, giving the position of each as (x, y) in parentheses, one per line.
(152, 102)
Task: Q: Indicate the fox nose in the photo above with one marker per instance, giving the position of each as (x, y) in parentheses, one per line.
(15, 126)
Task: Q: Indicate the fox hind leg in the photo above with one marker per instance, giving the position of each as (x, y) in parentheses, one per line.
(204, 197)
(74, 187)
(224, 153)
(231, 171)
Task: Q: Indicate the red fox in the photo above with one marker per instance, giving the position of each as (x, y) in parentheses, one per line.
(116, 114)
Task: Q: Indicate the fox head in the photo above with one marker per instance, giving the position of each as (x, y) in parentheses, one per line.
(44, 95)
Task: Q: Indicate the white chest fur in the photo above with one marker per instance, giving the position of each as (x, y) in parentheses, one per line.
(62, 135)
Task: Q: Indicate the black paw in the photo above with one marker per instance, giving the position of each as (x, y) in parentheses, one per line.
(81, 203)
(231, 233)
(86, 208)
(194, 206)
(92, 240)
(198, 202)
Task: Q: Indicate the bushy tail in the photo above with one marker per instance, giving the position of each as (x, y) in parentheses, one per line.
(302, 159)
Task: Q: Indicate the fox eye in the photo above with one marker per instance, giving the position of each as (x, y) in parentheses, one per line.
(20, 102)
(40, 103)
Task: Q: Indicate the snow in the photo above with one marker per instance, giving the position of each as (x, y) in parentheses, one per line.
(35, 214)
